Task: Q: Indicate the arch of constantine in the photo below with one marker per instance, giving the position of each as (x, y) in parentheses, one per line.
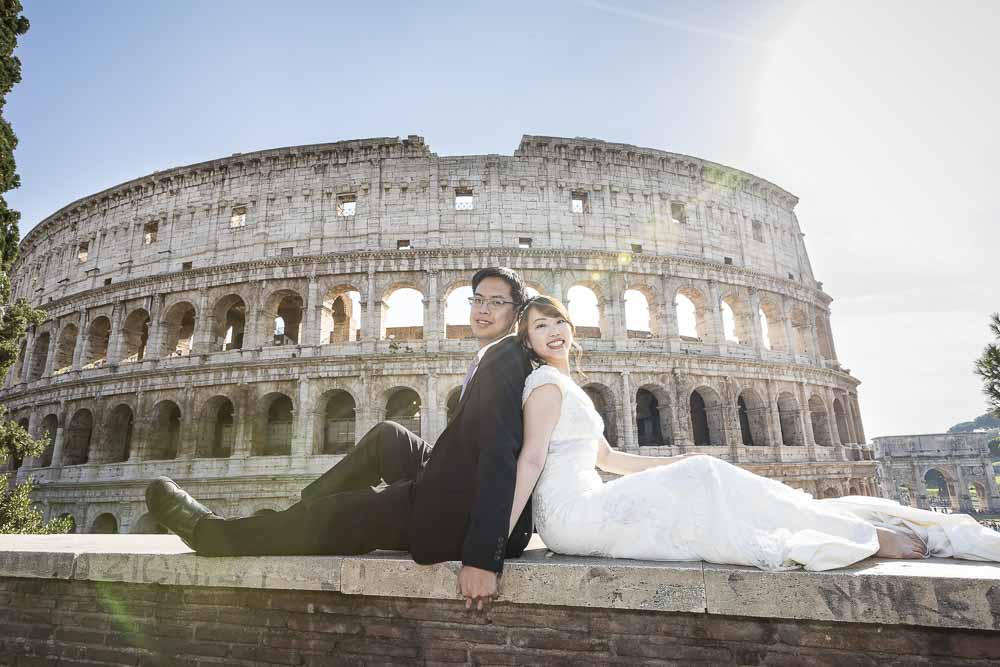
(238, 324)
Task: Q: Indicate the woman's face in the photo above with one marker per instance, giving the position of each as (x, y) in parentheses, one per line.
(550, 337)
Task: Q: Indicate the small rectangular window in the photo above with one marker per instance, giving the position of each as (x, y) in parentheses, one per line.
(186, 266)
(287, 252)
(83, 252)
(758, 231)
(463, 199)
(636, 248)
(727, 260)
(107, 281)
(238, 217)
(346, 205)
(578, 202)
(149, 233)
(678, 212)
(524, 242)
(403, 244)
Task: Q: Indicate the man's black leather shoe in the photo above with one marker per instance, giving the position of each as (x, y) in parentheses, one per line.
(174, 508)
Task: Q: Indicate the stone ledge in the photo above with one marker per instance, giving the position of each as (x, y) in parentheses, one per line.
(933, 593)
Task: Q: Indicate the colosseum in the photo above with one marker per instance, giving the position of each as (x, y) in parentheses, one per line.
(239, 323)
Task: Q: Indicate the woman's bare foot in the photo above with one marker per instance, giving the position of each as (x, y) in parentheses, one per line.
(899, 544)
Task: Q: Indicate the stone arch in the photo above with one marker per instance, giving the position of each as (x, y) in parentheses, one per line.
(118, 434)
(604, 402)
(820, 421)
(801, 332)
(641, 316)
(738, 324)
(66, 348)
(95, 354)
(403, 406)
(339, 421)
(178, 330)
(457, 311)
(853, 490)
(264, 510)
(165, 435)
(135, 335)
(772, 325)
(707, 427)
(653, 416)
(942, 485)
(790, 420)
(402, 313)
(283, 313)
(584, 305)
(218, 423)
(275, 425)
(840, 417)
(47, 430)
(340, 319)
(229, 323)
(147, 525)
(39, 356)
(978, 497)
(104, 524)
(830, 492)
(691, 309)
(753, 416)
(76, 449)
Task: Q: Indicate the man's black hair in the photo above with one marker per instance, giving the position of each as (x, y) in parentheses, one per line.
(507, 275)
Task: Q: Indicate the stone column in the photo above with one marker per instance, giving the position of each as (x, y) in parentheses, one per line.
(82, 338)
(832, 418)
(806, 417)
(138, 434)
(243, 407)
(614, 307)
(629, 436)
(817, 353)
(251, 327)
(116, 339)
(154, 343)
(757, 335)
(57, 445)
(857, 423)
(434, 324)
(203, 336)
(302, 437)
(310, 324)
(430, 408)
(786, 321)
(671, 331)
(372, 305)
(187, 439)
(714, 314)
(50, 354)
(29, 344)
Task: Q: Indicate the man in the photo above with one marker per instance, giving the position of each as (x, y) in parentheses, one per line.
(447, 503)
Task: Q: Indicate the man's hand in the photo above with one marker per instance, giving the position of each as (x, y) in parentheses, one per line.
(476, 585)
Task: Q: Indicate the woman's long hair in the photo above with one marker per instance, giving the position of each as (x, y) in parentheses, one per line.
(550, 307)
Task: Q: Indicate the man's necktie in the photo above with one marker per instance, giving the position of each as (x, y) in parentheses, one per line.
(468, 376)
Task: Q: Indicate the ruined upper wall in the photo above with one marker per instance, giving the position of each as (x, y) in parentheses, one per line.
(635, 200)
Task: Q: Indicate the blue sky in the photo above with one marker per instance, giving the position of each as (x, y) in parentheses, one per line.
(882, 119)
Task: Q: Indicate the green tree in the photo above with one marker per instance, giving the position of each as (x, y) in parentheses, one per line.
(17, 514)
(988, 367)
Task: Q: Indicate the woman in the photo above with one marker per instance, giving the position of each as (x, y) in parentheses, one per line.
(691, 507)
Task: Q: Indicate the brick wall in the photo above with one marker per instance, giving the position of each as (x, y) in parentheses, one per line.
(50, 621)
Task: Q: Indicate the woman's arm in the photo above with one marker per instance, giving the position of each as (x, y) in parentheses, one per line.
(541, 413)
(620, 463)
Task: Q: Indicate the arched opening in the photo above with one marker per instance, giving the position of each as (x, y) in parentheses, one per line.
(456, 313)
(403, 407)
(790, 421)
(604, 402)
(689, 304)
(652, 418)
(76, 449)
(136, 335)
(104, 524)
(287, 319)
(279, 427)
(584, 311)
(340, 321)
(66, 348)
(638, 315)
(339, 425)
(706, 417)
(403, 315)
(39, 356)
(147, 525)
(95, 354)
(219, 433)
(939, 489)
(229, 322)
(48, 431)
(166, 434)
(978, 498)
(820, 421)
(454, 398)
(178, 335)
(852, 490)
(753, 418)
(772, 327)
(841, 417)
(830, 493)
(119, 434)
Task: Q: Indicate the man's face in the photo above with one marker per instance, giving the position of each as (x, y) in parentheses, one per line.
(491, 322)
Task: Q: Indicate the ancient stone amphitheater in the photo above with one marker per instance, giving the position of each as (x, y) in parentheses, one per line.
(238, 324)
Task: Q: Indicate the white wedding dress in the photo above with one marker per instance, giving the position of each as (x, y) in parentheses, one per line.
(703, 508)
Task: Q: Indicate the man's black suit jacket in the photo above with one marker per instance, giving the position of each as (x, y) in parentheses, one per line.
(462, 500)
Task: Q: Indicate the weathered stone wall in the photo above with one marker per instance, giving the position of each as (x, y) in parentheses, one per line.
(162, 354)
(962, 460)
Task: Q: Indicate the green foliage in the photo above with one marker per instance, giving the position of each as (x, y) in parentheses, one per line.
(18, 515)
(988, 367)
(994, 445)
(983, 422)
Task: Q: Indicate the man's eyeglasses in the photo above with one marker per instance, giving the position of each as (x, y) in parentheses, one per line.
(491, 304)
